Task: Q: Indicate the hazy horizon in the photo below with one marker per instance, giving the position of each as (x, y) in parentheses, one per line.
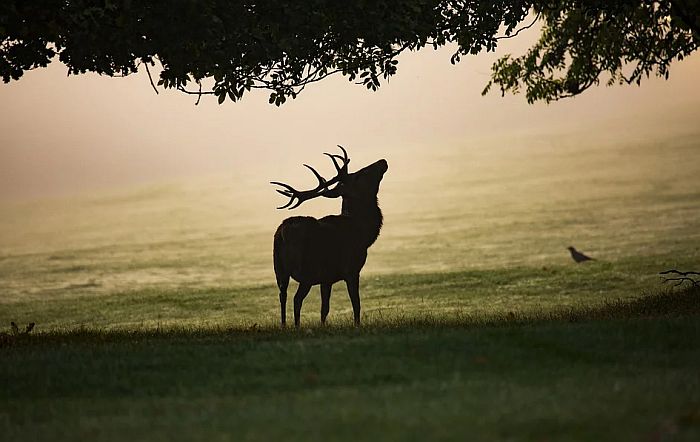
(81, 134)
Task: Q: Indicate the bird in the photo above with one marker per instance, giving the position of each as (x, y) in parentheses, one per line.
(578, 256)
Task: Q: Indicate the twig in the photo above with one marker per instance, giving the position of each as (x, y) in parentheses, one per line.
(199, 96)
(189, 92)
(504, 37)
(297, 86)
(150, 78)
(678, 272)
(683, 276)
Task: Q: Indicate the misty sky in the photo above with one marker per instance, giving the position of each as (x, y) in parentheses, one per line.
(64, 135)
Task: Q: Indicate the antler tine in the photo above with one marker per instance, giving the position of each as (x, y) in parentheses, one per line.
(291, 200)
(286, 186)
(343, 159)
(321, 180)
(284, 192)
(333, 157)
(345, 154)
(289, 193)
(297, 197)
(298, 203)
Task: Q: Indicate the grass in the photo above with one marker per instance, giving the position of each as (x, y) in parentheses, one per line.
(157, 316)
(382, 294)
(524, 290)
(622, 371)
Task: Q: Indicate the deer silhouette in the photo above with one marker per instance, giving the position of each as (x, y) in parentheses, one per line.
(333, 248)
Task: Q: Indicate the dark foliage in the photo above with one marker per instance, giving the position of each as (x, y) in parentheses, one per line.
(584, 41)
(280, 46)
(228, 47)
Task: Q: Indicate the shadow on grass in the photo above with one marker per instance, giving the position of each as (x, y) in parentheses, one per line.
(668, 303)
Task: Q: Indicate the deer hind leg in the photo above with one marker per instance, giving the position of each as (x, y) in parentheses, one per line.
(281, 275)
(301, 293)
(325, 301)
(353, 284)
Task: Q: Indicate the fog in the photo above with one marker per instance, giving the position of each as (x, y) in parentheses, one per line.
(106, 186)
(64, 135)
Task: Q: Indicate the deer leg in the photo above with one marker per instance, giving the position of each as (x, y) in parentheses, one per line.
(283, 307)
(353, 284)
(301, 293)
(283, 283)
(325, 301)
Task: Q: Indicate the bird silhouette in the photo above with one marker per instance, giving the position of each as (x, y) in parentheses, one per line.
(578, 256)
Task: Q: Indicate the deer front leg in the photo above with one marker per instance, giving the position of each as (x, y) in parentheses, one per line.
(301, 293)
(353, 284)
(325, 301)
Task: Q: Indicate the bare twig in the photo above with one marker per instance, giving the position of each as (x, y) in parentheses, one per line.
(678, 272)
(682, 277)
(199, 96)
(505, 37)
(150, 78)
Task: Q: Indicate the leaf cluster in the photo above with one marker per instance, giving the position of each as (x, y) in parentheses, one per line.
(584, 42)
(227, 48)
(234, 46)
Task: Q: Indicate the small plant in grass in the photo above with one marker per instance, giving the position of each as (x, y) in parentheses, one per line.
(15, 331)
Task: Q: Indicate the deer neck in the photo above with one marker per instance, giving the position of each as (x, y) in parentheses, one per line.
(367, 217)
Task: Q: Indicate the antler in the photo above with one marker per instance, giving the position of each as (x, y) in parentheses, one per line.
(323, 185)
(343, 169)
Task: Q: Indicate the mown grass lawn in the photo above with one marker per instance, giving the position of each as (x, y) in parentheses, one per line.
(625, 371)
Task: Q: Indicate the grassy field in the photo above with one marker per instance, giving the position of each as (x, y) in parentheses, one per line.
(628, 371)
(156, 310)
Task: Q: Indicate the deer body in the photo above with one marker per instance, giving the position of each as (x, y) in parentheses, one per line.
(333, 248)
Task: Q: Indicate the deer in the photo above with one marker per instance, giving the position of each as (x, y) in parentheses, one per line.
(333, 248)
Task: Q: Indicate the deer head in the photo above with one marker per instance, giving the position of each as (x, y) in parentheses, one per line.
(360, 185)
